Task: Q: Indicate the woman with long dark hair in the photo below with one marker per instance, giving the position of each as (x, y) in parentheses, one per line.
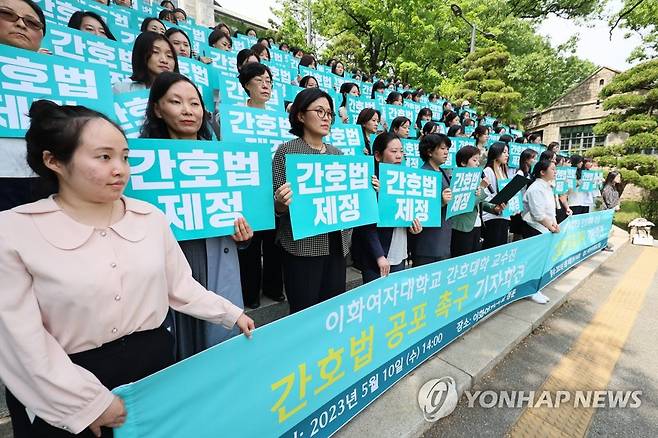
(378, 251)
(351, 89)
(495, 227)
(369, 119)
(90, 22)
(152, 54)
(176, 111)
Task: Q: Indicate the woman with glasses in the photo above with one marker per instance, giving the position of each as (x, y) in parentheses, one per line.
(261, 258)
(313, 267)
(22, 25)
(256, 79)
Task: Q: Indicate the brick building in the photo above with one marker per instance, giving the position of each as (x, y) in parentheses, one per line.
(570, 119)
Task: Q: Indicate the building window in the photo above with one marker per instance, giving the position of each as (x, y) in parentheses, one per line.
(578, 139)
(601, 82)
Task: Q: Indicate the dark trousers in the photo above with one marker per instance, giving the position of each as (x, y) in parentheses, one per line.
(529, 231)
(368, 275)
(580, 209)
(494, 233)
(116, 363)
(312, 280)
(257, 272)
(422, 260)
(462, 243)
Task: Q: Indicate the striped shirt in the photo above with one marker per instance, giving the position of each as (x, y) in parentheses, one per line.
(313, 246)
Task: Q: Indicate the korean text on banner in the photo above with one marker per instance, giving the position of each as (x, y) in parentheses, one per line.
(407, 194)
(347, 138)
(330, 193)
(589, 180)
(463, 184)
(203, 186)
(130, 110)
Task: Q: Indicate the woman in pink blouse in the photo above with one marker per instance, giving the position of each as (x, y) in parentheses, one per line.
(87, 278)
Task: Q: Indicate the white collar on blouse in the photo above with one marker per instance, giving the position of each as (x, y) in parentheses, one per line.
(65, 233)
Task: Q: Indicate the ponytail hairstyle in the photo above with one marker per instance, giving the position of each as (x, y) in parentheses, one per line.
(57, 129)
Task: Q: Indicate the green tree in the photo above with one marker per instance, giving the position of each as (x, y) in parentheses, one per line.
(633, 98)
(639, 17)
(288, 28)
(485, 83)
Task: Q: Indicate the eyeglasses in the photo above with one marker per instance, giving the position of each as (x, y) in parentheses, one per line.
(260, 82)
(12, 17)
(322, 113)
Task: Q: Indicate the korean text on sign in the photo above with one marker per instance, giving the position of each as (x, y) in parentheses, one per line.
(347, 138)
(330, 193)
(253, 125)
(27, 76)
(464, 183)
(407, 194)
(130, 110)
(203, 186)
(515, 205)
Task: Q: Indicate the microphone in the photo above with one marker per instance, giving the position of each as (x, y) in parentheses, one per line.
(489, 187)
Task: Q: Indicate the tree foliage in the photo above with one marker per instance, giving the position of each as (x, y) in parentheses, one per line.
(633, 97)
(639, 17)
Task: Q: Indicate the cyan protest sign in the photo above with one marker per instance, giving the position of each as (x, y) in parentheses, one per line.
(515, 150)
(85, 47)
(389, 112)
(589, 180)
(463, 184)
(411, 153)
(198, 36)
(456, 144)
(223, 61)
(561, 177)
(26, 76)
(130, 110)
(281, 72)
(354, 105)
(202, 76)
(203, 186)
(571, 178)
(515, 204)
(232, 93)
(327, 81)
(330, 193)
(347, 138)
(580, 236)
(253, 125)
(407, 194)
(339, 356)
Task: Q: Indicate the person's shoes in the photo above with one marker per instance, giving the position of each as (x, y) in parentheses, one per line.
(278, 298)
(253, 304)
(539, 298)
(609, 248)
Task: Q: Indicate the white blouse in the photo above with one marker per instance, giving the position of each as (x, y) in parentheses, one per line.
(539, 204)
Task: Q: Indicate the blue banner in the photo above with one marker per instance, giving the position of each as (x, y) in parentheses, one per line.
(232, 93)
(580, 236)
(463, 184)
(26, 76)
(252, 125)
(130, 110)
(515, 150)
(203, 186)
(330, 193)
(407, 194)
(310, 373)
(202, 76)
(354, 105)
